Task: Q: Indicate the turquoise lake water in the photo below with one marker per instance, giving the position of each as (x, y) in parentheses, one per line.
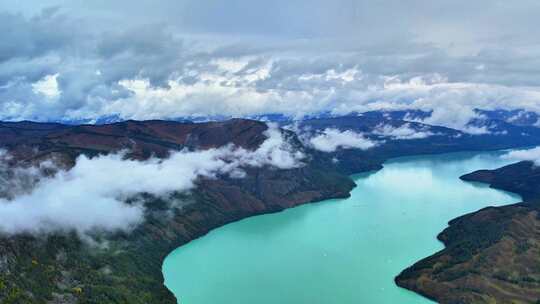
(336, 251)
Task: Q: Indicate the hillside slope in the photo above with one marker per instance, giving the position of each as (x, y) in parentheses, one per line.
(492, 255)
(126, 267)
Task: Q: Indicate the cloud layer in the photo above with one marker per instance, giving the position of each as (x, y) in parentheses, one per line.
(330, 140)
(404, 131)
(528, 155)
(69, 60)
(92, 195)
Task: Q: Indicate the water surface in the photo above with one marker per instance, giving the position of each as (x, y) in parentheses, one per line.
(337, 251)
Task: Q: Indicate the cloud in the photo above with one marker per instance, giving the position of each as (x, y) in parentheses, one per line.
(47, 86)
(330, 140)
(92, 195)
(192, 58)
(521, 155)
(404, 131)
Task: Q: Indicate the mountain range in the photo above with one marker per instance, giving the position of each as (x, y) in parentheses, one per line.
(125, 267)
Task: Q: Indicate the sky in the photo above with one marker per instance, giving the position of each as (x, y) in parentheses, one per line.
(70, 60)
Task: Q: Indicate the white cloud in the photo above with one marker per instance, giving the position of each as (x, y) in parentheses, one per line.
(332, 139)
(238, 87)
(476, 130)
(295, 62)
(404, 131)
(267, 90)
(92, 194)
(47, 86)
(452, 104)
(528, 155)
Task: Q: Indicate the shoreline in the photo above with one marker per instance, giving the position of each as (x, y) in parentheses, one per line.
(354, 177)
(482, 232)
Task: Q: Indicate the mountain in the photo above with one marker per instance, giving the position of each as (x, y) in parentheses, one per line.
(29, 141)
(126, 267)
(60, 268)
(515, 117)
(522, 178)
(398, 137)
(492, 255)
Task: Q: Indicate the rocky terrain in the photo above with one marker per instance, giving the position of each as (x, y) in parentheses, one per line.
(492, 255)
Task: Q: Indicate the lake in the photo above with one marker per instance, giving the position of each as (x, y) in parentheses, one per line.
(336, 251)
